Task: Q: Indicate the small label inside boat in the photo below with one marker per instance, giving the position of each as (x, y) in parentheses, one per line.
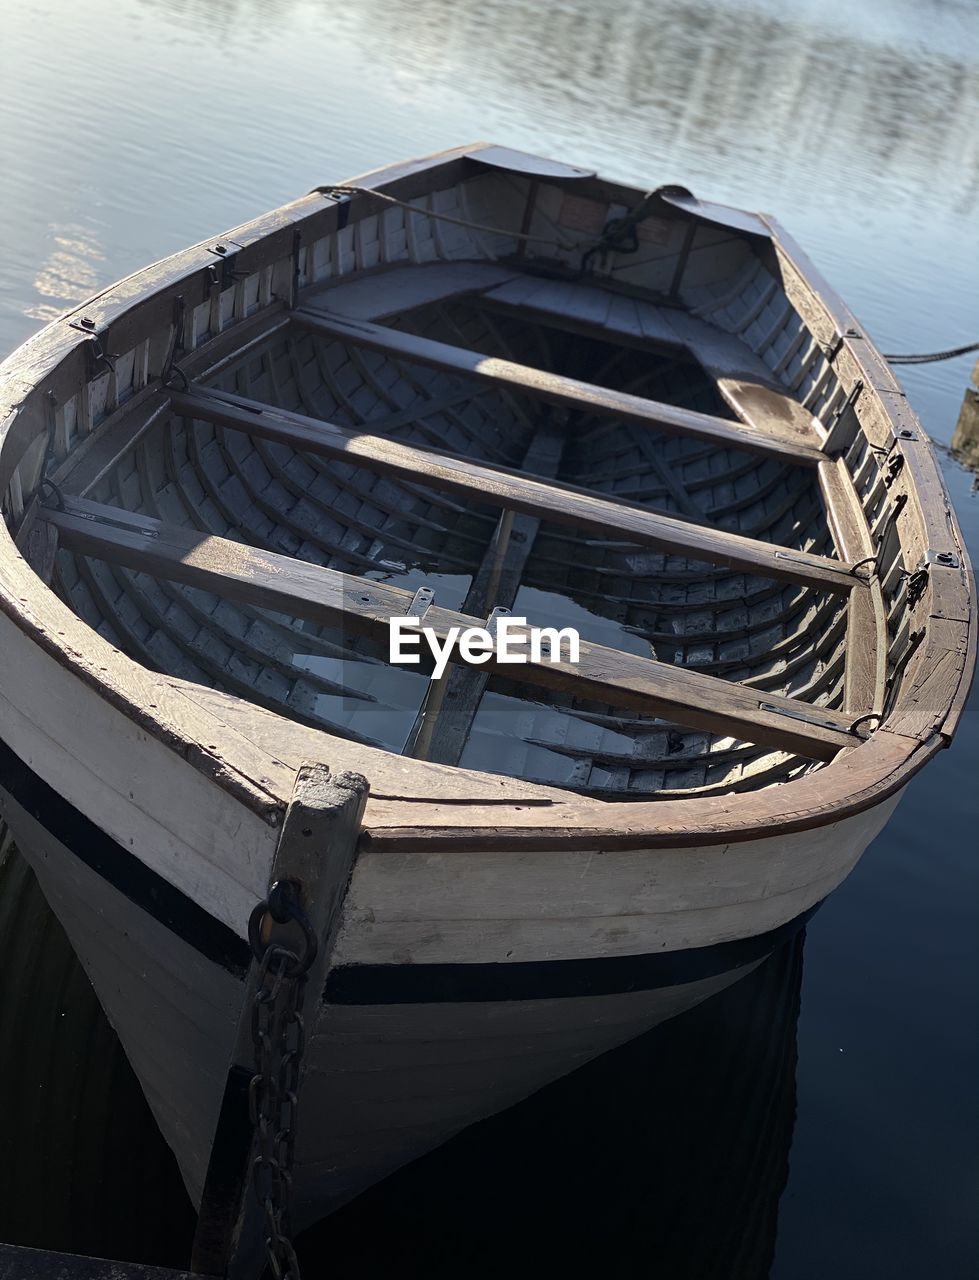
(579, 214)
(511, 640)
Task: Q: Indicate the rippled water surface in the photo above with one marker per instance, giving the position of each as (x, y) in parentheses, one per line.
(131, 128)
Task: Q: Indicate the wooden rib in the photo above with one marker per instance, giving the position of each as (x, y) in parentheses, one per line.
(556, 388)
(322, 595)
(504, 487)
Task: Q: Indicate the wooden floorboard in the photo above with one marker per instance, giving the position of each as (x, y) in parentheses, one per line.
(327, 597)
(556, 388)
(504, 487)
(452, 703)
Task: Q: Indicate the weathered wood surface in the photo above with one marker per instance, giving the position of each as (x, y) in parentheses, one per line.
(564, 504)
(446, 724)
(556, 388)
(52, 717)
(327, 596)
(143, 306)
(743, 380)
(403, 287)
(317, 850)
(498, 904)
(866, 632)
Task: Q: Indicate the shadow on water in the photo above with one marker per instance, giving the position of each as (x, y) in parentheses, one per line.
(84, 1168)
(666, 1156)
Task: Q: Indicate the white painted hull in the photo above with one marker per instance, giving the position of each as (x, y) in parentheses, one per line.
(432, 1022)
(389, 1082)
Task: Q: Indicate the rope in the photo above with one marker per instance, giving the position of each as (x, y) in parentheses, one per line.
(343, 189)
(619, 234)
(930, 357)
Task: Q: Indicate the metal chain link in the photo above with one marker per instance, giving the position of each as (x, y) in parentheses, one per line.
(279, 1039)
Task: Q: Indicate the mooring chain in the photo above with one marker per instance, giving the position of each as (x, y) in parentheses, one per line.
(279, 1038)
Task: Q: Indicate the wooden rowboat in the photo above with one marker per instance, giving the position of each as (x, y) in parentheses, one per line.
(474, 383)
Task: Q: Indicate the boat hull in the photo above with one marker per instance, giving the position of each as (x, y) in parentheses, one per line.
(410, 1043)
(202, 474)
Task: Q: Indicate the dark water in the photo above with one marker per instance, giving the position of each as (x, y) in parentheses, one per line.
(131, 128)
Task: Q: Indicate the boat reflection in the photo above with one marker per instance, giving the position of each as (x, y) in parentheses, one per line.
(664, 1157)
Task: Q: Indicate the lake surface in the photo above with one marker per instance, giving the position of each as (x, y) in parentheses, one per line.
(131, 128)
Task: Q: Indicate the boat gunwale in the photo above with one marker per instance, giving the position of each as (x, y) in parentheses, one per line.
(143, 302)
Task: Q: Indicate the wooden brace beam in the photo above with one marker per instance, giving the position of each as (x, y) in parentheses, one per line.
(326, 596)
(500, 486)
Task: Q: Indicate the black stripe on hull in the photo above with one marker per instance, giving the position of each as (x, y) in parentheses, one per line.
(373, 984)
(121, 868)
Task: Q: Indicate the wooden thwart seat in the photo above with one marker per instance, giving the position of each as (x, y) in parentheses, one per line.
(556, 388)
(328, 597)
(544, 499)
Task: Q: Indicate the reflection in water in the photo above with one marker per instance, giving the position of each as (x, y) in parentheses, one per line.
(865, 115)
(70, 274)
(786, 95)
(664, 1158)
(780, 93)
(84, 1168)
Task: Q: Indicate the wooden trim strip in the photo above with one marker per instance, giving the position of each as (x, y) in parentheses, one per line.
(326, 596)
(476, 982)
(500, 486)
(866, 631)
(555, 387)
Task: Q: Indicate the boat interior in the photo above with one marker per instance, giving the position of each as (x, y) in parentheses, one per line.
(449, 426)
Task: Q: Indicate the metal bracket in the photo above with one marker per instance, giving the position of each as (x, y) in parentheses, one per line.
(946, 559)
(494, 618)
(805, 716)
(97, 354)
(842, 568)
(297, 244)
(851, 401)
(224, 275)
(421, 602)
(918, 580)
(903, 433)
(897, 506)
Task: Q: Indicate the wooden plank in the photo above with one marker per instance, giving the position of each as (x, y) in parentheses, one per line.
(317, 851)
(556, 388)
(445, 726)
(866, 626)
(39, 547)
(328, 597)
(501, 486)
(402, 287)
(743, 379)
